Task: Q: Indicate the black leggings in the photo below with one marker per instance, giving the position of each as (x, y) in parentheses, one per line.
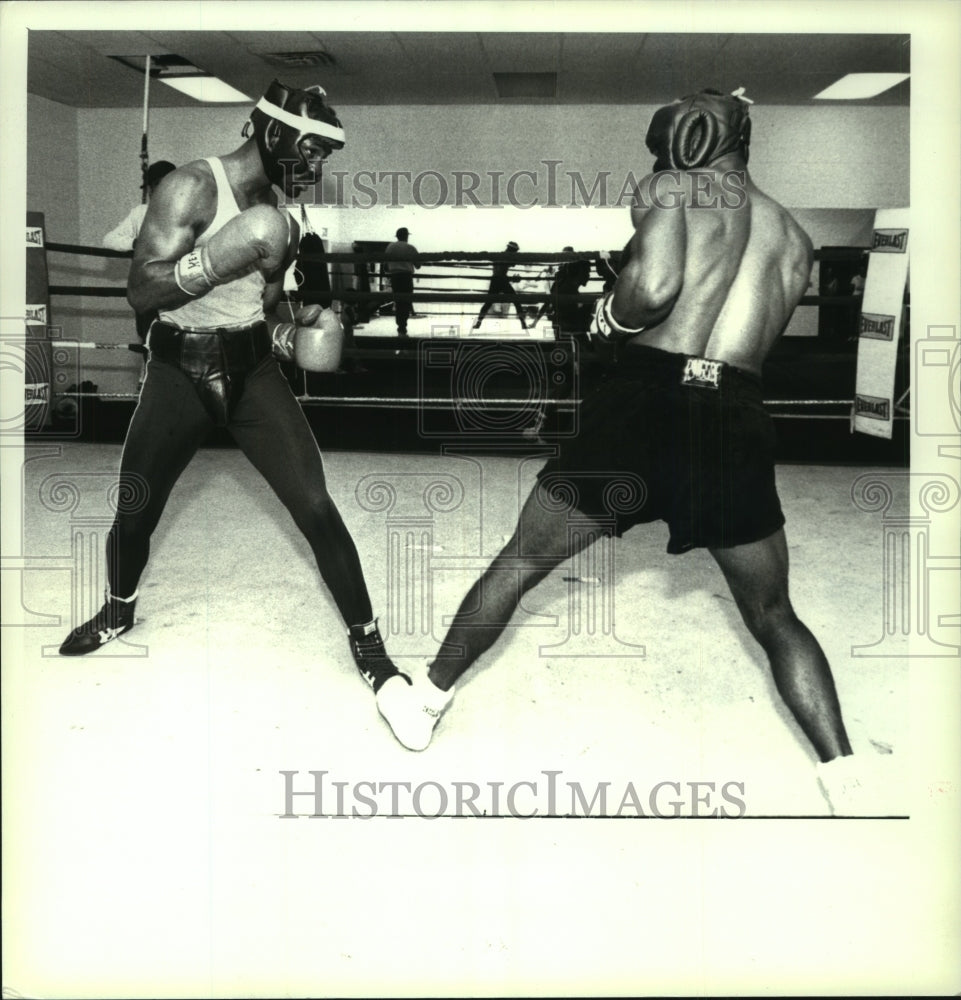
(501, 286)
(169, 425)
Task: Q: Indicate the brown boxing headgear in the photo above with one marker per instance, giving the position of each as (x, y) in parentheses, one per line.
(297, 114)
(699, 129)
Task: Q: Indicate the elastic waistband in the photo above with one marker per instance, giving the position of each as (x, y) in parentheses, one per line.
(699, 370)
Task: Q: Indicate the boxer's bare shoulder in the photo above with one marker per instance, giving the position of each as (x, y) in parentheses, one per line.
(187, 196)
(194, 180)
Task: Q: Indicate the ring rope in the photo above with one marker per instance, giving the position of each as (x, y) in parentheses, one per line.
(85, 251)
(352, 295)
(92, 345)
(423, 298)
(448, 400)
(452, 256)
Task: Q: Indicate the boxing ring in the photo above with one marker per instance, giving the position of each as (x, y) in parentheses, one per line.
(448, 369)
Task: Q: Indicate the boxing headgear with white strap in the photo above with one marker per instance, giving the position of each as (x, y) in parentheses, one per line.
(699, 129)
(293, 115)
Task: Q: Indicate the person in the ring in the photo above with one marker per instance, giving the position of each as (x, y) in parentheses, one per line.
(211, 258)
(501, 283)
(706, 292)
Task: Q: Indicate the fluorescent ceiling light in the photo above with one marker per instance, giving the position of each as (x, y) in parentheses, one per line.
(855, 86)
(208, 89)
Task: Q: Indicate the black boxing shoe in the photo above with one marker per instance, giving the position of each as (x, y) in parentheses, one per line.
(112, 620)
(367, 648)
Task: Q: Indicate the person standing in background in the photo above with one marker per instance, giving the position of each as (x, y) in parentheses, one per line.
(124, 235)
(401, 264)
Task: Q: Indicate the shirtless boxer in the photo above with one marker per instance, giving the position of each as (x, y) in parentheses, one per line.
(211, 258)
(704, 295)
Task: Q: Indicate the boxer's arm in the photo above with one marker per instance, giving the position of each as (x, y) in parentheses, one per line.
(293, 247)
(180, 209)
(274, 288)
(169, 270)
(649, 283)
(273, 292)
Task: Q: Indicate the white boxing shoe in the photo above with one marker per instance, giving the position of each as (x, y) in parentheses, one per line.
(412, 709)
(861, 785)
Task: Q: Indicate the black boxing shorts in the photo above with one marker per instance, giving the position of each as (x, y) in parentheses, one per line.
(688, 440)
(216, 361)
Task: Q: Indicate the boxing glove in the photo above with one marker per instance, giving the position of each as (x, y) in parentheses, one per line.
(604, 325)
(315, 340)
(255, 240)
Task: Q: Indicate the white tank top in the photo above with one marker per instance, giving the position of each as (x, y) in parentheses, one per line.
(239, 303)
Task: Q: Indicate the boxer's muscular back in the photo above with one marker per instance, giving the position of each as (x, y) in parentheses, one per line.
(745, 269)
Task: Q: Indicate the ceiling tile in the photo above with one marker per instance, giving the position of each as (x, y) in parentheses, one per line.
(384, 67)
(522, 52)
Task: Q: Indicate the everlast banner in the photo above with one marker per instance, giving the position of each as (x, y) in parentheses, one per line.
(881, 324)
(36, 315)
(36, 393)
(38, 362)
(890, 241)
(873, 407)
(875, 326)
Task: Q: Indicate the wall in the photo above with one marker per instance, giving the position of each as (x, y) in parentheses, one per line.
(53, 169)
(821, 162)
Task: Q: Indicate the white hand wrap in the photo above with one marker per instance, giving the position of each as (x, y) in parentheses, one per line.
(282, 337)
(604, 325)
(193, 273)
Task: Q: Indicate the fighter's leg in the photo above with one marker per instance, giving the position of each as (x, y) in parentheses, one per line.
(518, 308)
(271, 429)
(401, 285)
(165, 431)
(757, 574)
(273, 432)
(541, 541)
(484, 309)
